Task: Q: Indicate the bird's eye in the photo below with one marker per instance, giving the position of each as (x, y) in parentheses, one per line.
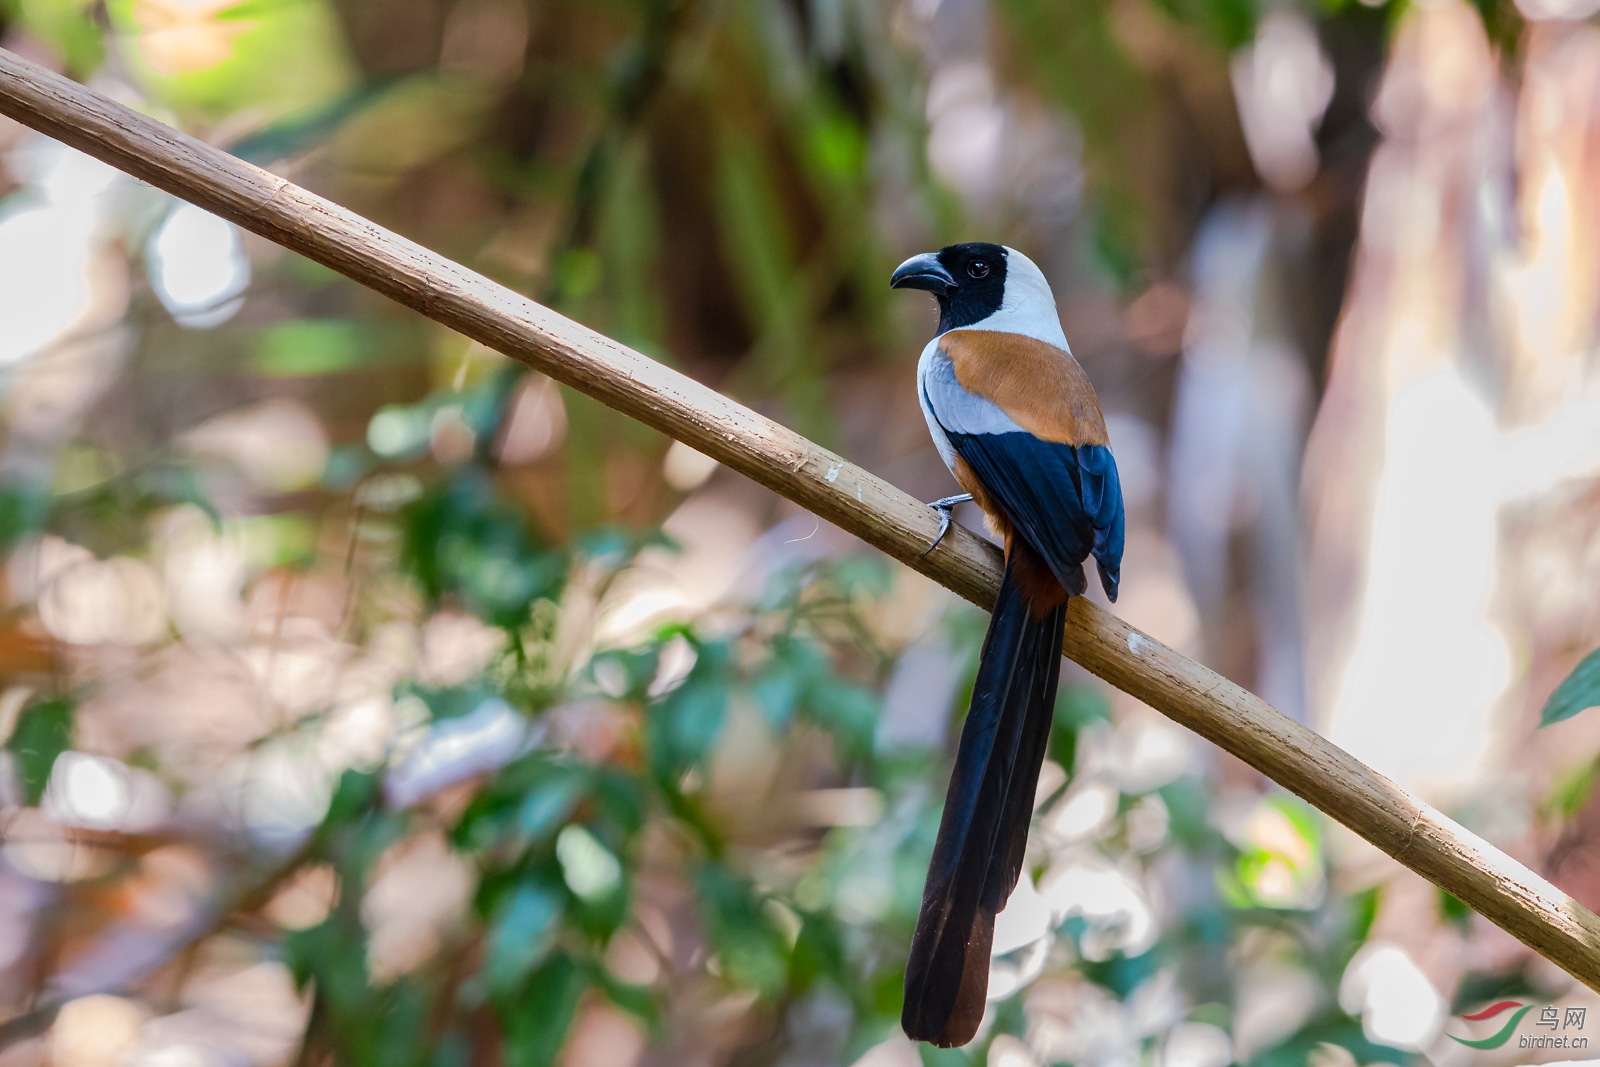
(978, 269)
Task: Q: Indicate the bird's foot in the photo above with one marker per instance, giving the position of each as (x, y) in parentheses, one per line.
(944, 506)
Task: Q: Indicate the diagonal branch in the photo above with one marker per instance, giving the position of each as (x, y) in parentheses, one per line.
(1486, 879)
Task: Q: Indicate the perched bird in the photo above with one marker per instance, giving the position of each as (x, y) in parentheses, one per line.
(1017, 422)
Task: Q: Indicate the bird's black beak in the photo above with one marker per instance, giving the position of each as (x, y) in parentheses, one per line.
(923, 272)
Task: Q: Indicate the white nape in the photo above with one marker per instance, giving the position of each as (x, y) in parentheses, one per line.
(1029, 307)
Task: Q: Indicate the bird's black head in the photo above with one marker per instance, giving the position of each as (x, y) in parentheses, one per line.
(969, 280)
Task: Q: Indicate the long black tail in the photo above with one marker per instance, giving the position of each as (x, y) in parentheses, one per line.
(978, 856)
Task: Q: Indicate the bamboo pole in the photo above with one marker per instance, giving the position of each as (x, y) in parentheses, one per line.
(1485, 878)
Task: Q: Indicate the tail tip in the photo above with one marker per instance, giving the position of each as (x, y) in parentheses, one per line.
(1109, 580)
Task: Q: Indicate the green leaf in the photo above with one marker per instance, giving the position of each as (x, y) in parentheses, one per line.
(347, 465)
(636, 999)
(308, 347)
(1363, 912)
(400, 1025)
(862, 575)
(777, 691)
(932, 1056)
(625, 675)
(462, 540)
(1187, 802)
(639, 1000)
(577, 273)
(454, 1050)
(752, 952)
(1479, 987)
(1580, 691)
(524, 805)
(1334, 1029)
(835, 146)
(1570, 790)
(548, 805)
(695, 714)
(537, 1022)
(43, 732)
(305, 130)
(1230, 23)
(355, 795)
(1079, 704)
(23, 507)
(523, 934)
(1122, 974)
(399, 432)
(847, 711)
(68, 26)
(682, 728)
(451, 702)
(1453, 911)
(618, 802)
(818, 953)
(588, 867)
(281, 58)
(333, 957)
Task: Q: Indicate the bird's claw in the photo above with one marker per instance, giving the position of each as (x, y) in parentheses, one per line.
(944, 506)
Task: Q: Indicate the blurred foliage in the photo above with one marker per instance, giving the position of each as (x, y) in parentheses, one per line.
(42, 732)
(558, 842)
(1579, 691)
(725, 187)
(463, 543)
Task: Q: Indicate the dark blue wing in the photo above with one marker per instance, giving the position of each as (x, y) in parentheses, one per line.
(1065, 501)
